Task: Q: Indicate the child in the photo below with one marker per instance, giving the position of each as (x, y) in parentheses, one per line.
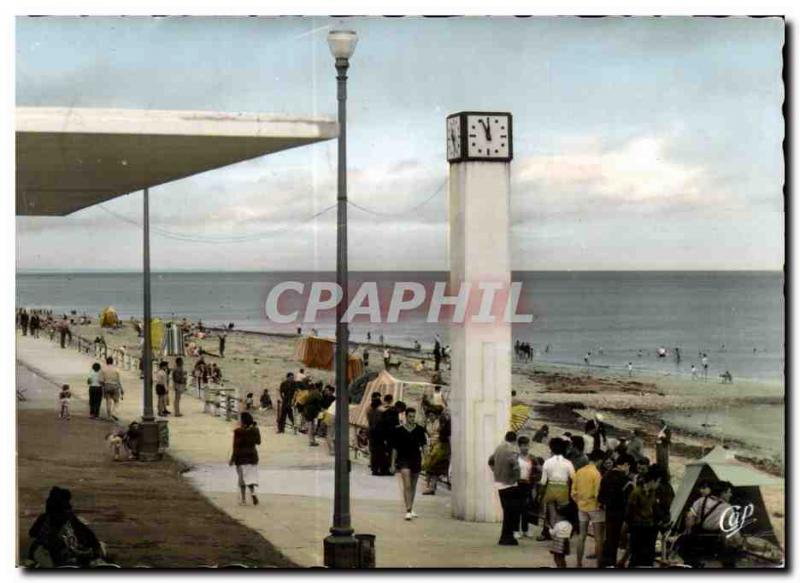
(248, 402)
(266, 401)
(560, 532)
(63, 398)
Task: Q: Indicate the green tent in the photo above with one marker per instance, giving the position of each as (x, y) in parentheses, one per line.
(720, 464)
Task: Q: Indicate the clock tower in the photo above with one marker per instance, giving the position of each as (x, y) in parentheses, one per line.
(479, 150)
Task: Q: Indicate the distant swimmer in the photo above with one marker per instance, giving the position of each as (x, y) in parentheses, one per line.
(694, 372)
(630, 369)
(677, 355)
(586, 358)
(547, 348)
(705, 366)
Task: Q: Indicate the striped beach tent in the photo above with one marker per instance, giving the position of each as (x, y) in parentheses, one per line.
(173, 342)
(319, 353)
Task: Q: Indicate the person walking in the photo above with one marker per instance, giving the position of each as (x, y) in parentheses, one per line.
(24, 320)
(112, 387)
(557, 472)
(35, 324)
(95, 383)
(312, 407)
(640, 516)
(179, 377)
(376, 443)
(286, 391)
(506, 469)
(704, 362)
(246, 438)
(530, 472)
(585, 490)
(408, 440)
(437, 354)
(613, 499)
(222, 338)
(437, 463)
(64, 331)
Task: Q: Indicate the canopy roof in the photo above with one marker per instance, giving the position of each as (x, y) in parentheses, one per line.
(72, 158)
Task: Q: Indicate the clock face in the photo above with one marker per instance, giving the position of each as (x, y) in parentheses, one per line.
(488, 136)
(454, 138)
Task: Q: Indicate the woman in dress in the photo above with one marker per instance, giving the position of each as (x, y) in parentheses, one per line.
(245, 456)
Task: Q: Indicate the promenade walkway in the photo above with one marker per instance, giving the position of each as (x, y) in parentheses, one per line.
(296, 485)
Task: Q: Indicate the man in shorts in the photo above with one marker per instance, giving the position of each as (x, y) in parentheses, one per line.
(585, 490)
(112, 387)
(408, 440)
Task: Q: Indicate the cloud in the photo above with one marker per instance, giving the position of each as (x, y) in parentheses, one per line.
(635, 176)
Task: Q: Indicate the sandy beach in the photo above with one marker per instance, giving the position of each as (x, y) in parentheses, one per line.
(558, 395)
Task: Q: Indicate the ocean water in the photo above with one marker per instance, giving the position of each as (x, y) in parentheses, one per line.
(736, 318)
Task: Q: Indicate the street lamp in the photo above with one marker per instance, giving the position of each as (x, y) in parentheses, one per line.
(340, 547)
(148, 449)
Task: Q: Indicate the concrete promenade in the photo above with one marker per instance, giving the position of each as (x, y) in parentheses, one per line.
(296, 485)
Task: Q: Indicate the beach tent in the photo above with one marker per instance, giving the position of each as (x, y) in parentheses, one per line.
(385, 384)
(173, 342)
(156, 333)
(720, 464)
(319, 353)
(109, 317)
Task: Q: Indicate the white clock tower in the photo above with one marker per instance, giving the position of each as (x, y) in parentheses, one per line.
(479, 149)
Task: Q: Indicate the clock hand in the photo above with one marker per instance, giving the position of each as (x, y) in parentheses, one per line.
(485, 130)
(488, 127)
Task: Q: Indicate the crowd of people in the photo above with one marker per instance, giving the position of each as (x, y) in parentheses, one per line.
(614, 491)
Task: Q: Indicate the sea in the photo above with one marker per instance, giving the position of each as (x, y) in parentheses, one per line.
(735, 318)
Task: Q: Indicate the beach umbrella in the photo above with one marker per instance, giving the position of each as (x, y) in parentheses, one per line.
(519, 415)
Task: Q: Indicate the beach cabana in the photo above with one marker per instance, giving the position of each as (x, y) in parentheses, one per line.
(720, 464)
(109, 317)
(173, 343)
(319, 353)
(385, 384)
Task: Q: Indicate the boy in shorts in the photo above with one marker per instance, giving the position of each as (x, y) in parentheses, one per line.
(560, 533)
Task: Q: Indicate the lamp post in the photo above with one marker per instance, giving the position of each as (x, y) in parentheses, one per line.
(340, 547)
(148, 450)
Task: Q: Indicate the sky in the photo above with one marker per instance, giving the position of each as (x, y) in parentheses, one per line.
(639, 143)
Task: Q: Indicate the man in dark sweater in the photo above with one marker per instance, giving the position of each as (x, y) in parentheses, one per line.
(408, 440)
(614, 500)
(641, 518)
(390, 418)
(286, 391)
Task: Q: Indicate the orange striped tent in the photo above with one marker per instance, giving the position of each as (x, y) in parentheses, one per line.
(319, 353)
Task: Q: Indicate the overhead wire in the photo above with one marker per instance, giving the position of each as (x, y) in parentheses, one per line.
(194, 238)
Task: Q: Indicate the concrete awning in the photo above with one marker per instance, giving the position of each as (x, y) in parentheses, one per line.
(69, 159)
